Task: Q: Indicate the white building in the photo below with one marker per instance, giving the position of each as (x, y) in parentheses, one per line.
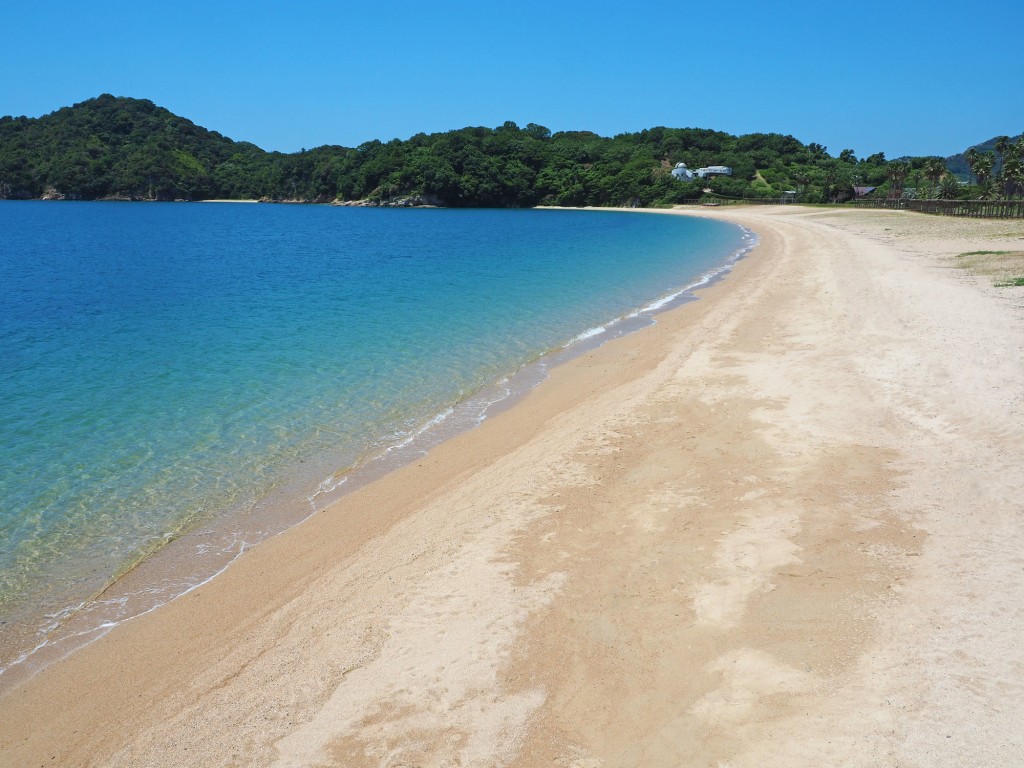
(713, 170)
(682, 173)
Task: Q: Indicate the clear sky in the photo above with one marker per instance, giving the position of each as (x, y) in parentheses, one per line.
(901, 76)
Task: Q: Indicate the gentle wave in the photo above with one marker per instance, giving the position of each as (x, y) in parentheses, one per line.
(83, 622)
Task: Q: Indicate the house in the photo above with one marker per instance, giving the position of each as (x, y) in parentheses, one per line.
(713, 170)
(862, 192)
(682, 173)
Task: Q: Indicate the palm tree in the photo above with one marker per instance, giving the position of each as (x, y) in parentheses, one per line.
(1002, 144)
(950, 187)
(934, 169)
(1017, 150)
(802, 179)
(983, 165)
(981, 168)
(971, 156)
(1011, 155)
(1013, 174)
(897, 174)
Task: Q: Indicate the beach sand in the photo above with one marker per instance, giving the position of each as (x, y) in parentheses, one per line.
(780, 527)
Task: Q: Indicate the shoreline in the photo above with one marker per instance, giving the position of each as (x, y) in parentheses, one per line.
(142, 586)
(745, 533)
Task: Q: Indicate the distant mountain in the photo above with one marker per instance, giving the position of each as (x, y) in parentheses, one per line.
(957, 164)
(120, 148)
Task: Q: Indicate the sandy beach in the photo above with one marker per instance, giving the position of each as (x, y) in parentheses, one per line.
(780, 527)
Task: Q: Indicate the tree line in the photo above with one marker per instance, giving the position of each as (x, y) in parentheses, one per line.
(122, 148)
(993, 174)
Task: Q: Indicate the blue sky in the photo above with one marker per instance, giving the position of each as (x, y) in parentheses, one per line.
(902, 77)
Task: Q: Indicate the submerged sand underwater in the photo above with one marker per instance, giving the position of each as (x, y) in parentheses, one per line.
(780, 527)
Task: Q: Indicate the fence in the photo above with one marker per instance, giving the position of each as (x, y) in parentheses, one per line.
(989, 209)
(712, 200)
(898, 204)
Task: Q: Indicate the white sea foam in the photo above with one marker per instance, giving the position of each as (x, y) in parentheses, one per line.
(474, 410)
(587, 334)
(671, 298)
(75, 640)
(404, 447)
(327, 485)
(429, 425)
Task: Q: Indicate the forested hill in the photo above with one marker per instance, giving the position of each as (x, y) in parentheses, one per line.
(959, 164)
(123, 148)
(119, 147)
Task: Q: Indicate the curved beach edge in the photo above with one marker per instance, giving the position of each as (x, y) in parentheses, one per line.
(778, 527)
(174, 569)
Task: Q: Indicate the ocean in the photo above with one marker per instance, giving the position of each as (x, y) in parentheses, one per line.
(178, 382)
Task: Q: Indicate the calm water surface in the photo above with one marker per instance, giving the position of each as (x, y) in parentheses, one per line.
(166, 368)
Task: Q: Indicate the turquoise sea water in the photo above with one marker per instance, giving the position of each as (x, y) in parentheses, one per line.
(213, 370)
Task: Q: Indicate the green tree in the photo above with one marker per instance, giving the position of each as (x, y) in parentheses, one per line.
(817, 151)
(934, 170)
(971, 156)
(131, 148)
(1002, 144)
(897, 172)
(949, 189)
(982, 166)
(1013, 175)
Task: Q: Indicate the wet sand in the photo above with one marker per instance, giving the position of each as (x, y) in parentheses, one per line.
(779, 527)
